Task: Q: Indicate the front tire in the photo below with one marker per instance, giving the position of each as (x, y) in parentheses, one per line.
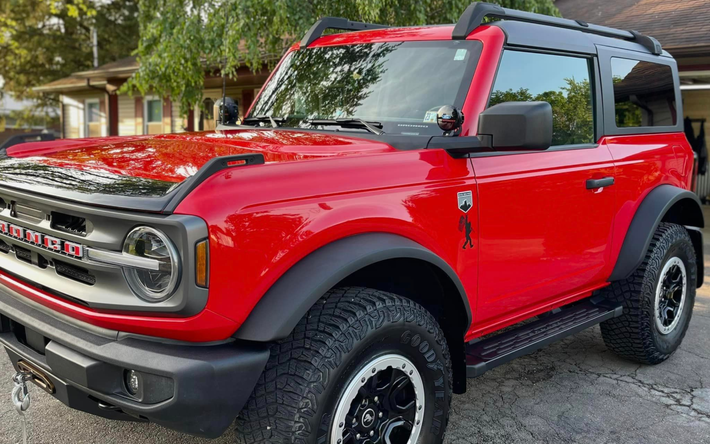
(658, 299)
(363, 366)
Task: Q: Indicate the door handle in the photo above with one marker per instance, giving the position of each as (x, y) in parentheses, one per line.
(593, 184)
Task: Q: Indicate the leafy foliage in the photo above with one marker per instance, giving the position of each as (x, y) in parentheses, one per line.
(572, 115)
(181, 38)
(45, 40)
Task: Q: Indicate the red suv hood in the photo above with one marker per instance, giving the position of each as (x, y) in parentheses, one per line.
(175, 157)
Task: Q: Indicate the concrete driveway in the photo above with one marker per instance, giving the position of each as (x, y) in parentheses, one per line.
(573, 391)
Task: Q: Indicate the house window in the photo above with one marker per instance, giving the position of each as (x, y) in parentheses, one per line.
(153, 115)
(562, 81)
(644, 93)
(92, 118)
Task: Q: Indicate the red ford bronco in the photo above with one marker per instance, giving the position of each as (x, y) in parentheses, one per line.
(332, 269)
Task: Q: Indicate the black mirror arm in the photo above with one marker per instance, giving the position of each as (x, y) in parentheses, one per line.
(461, 146)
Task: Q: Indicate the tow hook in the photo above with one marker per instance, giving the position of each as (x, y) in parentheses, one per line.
(21, 398)
(20, 393)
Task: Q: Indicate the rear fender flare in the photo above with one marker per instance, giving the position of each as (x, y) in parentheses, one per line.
(289, 299)
(663, 203)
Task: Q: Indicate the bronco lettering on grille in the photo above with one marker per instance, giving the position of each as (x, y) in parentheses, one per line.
(41, 240)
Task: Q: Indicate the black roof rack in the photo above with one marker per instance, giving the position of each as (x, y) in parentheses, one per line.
(335, 23)
(473, 17)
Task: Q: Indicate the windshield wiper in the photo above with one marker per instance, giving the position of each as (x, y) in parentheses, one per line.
(350, 122)
(274, 121)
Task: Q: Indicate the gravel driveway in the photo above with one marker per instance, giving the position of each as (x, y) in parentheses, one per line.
(573, 391)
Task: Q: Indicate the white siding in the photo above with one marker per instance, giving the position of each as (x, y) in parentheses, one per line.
(126, 116)
(73, 122)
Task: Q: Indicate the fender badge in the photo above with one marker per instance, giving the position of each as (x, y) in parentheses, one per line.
(465, 199)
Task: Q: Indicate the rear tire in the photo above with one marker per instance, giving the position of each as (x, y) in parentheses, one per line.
(658, 299)
(361, 361)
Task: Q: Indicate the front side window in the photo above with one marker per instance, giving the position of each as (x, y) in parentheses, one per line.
(400, 85)
(644, 93)
(562, 81)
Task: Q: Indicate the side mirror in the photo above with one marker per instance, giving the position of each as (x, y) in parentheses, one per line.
(517, 126)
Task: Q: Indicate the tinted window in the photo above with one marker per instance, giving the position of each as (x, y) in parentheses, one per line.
(561, 81)
(644, 94)
(399, 84)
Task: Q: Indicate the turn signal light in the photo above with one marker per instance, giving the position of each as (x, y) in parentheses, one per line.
(201, 257)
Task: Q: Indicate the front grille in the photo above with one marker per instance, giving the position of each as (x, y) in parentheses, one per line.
(23, 254)
(72, 272)
(68, 223)
(63, 269)
(44, 242)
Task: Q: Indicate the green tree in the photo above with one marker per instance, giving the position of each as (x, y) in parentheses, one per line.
(45, 40)
(181, 38)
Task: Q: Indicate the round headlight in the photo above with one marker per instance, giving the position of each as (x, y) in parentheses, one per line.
(158, 283)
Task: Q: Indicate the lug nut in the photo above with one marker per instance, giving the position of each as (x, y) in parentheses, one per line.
(372, 432)
(380, 415)
(357, 436)
(377, 399)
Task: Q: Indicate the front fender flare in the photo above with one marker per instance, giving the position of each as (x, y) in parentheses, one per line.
(289, 299)
(650, 213)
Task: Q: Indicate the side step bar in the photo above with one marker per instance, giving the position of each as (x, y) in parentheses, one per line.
(489, 353)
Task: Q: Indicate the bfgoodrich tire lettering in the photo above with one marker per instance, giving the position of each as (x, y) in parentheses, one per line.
(635, 335)
(307, 373)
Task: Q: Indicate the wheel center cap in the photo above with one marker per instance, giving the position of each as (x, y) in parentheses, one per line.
(368, 418)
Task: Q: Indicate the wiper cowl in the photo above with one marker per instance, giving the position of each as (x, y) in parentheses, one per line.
(349, 122)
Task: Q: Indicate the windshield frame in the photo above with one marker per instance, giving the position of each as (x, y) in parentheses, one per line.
(475, 48)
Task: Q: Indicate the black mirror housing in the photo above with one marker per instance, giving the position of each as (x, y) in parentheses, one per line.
(517, 126)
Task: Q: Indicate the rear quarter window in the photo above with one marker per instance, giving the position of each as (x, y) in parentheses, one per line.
(644, 93)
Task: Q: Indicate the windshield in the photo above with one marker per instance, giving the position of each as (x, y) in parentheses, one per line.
(399, 85)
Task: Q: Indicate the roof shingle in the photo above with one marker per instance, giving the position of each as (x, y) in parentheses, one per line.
(675, 23)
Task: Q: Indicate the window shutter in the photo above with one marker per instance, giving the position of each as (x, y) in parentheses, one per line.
(139, 115)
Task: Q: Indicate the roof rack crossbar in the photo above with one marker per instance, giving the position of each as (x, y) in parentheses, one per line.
(338, 23)
(474, 15)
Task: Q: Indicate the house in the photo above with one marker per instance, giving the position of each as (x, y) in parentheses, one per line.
(683, 28)
(9, 126)
(91, 107)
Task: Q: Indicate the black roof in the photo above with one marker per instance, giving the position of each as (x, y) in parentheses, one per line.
(550, 37)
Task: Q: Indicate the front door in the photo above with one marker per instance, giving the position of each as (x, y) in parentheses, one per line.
(544, 230)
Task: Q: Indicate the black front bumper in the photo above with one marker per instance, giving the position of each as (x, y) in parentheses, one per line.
(195, 389)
